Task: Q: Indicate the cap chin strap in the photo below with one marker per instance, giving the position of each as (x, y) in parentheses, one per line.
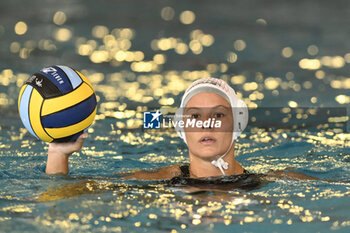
(242, 123)
(220, 162)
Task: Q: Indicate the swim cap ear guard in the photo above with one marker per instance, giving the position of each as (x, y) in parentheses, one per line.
(240, 116)
(239, 110)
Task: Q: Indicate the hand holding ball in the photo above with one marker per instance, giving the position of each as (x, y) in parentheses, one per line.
(57, 104)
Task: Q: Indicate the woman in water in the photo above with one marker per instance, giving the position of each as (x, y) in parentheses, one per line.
(211, 149)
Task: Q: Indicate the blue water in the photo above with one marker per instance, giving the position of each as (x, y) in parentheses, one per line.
(92, 198)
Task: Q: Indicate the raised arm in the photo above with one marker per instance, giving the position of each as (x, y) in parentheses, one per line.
(58, 155)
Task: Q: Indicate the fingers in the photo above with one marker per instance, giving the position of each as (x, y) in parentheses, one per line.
(83, 136)
(68, 147)
(79, 142)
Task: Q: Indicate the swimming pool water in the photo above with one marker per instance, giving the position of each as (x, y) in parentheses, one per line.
(89, 199)
(258, 48)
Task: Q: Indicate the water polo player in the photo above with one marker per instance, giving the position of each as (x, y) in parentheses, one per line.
(211, 150)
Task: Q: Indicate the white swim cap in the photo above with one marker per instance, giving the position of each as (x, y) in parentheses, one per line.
(220, 87)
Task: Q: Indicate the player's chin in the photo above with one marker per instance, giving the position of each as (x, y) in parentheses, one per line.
(208, 153)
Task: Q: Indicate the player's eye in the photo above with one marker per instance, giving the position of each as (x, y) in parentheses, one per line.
(195, 115)
(219, 115)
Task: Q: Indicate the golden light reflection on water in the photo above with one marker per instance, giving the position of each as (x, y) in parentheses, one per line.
(343, 83)
(115, 47)
(342, 99)
(287, 52)
(63, 34)
(312, 50)
(18, 209)
(59, 18)
(239, 45)
(144, 82)
(187, 17)
(186, 210)
(21, 28)
(335, 62)
(232, 57)
(261, 21)
(167, 13)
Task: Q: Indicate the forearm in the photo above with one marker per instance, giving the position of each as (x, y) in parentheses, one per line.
(58, 154)
(57, 163)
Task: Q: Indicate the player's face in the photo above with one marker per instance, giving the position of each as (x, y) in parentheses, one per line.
(208, 141)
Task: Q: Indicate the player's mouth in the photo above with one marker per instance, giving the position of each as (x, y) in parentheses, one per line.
(207, 140)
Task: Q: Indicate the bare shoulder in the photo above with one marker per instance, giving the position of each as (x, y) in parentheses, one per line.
(288, 173)
(162, 173)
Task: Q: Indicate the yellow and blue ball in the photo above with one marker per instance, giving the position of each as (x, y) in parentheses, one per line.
(57, 104)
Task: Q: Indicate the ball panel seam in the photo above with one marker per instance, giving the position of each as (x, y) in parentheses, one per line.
(24, 109)
(72, 129)
(72, 115)
(60, 103)
(35, 105)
